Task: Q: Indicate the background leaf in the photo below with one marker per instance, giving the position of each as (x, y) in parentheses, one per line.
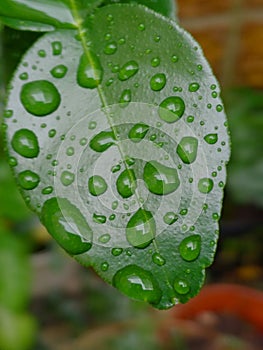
(138, 107)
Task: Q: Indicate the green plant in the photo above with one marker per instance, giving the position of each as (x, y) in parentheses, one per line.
(118, 140)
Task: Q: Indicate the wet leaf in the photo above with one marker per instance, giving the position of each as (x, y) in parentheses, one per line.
(118, 149)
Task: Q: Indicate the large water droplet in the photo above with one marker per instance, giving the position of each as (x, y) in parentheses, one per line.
(97, 185)
(67, 178)
(25, 143)
(160, 179)
(67, 225)
(138, 284)
(40, 97)
(59, 71)
(211, 138)
(181, 286)
(102, 141)
(158, 82)
(190, 247)
(171, 109)
(126, 183)
(90, 71)
(187, 149)
(128, 70)
(125, 98)
(138, 132)
(28, 179)
(205, 185)
(140, 230)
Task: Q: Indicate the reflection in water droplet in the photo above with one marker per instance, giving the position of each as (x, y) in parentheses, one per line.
(67, 178)
(187, 149)
(97, 185)
(128, 70)
(170, 218)
(40, 97)
(137, 283)
(110, 48)
(160, 179)
(190, 247)
(99, 219)
(67, 225)
(90, 71)
(126, 183)
(138, 132)
(59, 71)
(28, 179)
(102, 141)
(171, 109)
(125, 98)
(25, 143)
(211, 138)
(141, 229)
(181, 286)
(158, 82)
(205, 185)
(56, 48)
(158, 259)
(193, 87)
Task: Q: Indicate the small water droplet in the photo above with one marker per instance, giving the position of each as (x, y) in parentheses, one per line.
(138, 132)
(59, 71)
(128, 70)
(219, 108)
(190, 247)
(104, 266)
(141, 27)
(102, 141)
(8, 113)
(112, 217)
(190, 119)
(114, 205)
(158, 259)
(213, 87)
(40, 97)
(183, 211)
(158, 82)
(214, 94)
(23, 76)
(205, 185)
(25, 143)
(67, 225)
(52, 133)
(116, 251)
(104, 238)
(97, 185)
(215, 216)
(125, 98)
(83, 141)
(171, 109)
(175, 58)
(70, 151)
(187, 149)
(99, 219)
(47, 190)
(56, 48)
(137, 283)
(141, 229)
(12, 161)
(181, 286)
(116, 168)
(193, 87)
(211, 138)
(92, 125)
(160, 179)
(110, 48)
(155, 62)
(126, 183)
(170, 218)
(28, 179)
(42, 53)
(67, 178)
(90, 71)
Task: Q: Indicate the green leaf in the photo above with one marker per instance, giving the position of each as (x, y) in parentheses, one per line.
(126, 150)
(44, 15)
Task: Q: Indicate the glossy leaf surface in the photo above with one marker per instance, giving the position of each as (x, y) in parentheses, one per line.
(120, 132)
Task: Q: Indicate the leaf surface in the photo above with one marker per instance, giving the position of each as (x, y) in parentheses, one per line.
(118, 139)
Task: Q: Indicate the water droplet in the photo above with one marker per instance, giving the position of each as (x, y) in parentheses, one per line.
(47, 190)
(8, 113)
(25, 143)
(125, 98)
(104, 238)
(190, 119)
(110, 48)
(104, 266)
(28, 179)
(140, 230)
(52, 133)
(137, 283)
(92, 125)
(112, 217)
(175, 58)
(59, 71)
(158, 82)
(67, 178)
(205, 185)
(211, 138)
(157, 38)
(193, 87)
(12, 161)
(214, 94)
(160, 179)
(70, 151)
(83, 141)
(183, 211)
(56, 48)
(99, 219)
(41, 53)
(40, 97)
(67, 225)
(187, 149)
(90, 71)
(170, 218)
(213, 87)
(116, 168)
(102, 141)
(116, 251)
(138, 132)
(141, 27)
(190, 247)
(128, 70)
(181, 286)
(155, 62)
(215, 216)
(23, 76)
(97, 185)
(158, 259)
(171, 109)
(219, 108)
(114, 205)
(126, 183)
(122, 41)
